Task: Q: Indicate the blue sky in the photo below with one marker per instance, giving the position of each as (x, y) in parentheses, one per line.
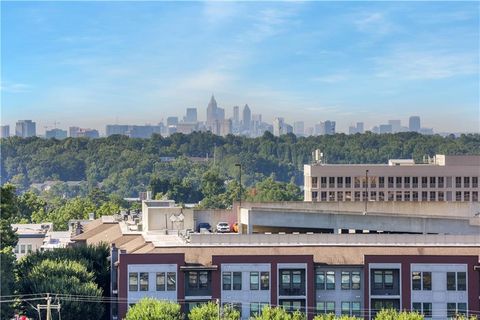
(91, 63)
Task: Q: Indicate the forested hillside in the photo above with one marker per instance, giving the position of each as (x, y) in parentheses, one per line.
(125, 166)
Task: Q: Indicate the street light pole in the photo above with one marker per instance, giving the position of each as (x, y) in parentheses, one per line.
(366, 192)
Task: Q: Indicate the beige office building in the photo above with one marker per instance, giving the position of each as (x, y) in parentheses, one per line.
(443, 178)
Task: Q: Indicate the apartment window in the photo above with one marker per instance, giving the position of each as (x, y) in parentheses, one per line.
(433, 183)
(314, 182)
(383, 279)
(424, 182)
(474, 182)
(441, 182)
(348, 196)
(227, 281)
(381, 196)
(414, 182)
(433, 196)
(323, 196)
(373, 182)
(254, 281)
(421, 280)
(340, 196)
(381, 182)
(237, 281)
(160, 281)
(331, 196)
(406, 196)
(456, 281)
(474, 195)
(466, 196)
(17, 248)
(292, 305)
(406, 182)
(330, 307)
(390, 182)
(198, 279)
(29, 248)
(339, 182)
(192, 280)
(398, 182)
(466, 182)
(254, 309)
(320, 280)
(348, 182)
(345, 280)
(373, 195)
(364, 195)
(22, 248)
(356, 312)
(330, 280)
(133, 281)
(364, 182)
(331, 182)
(449, 196)
(320, 307)
(264, 281)
(314, 195)
(355, 280)
(458, 195)
(454, 309)
(143, 281)
(345, 308)
(357, 195)
(441, 196)
(424, 308)
(171, 281)
(292, 282)
(323, 182)
(424, 195)
(458, 182)
(391, 195)
(398, 196)
(415, 196)
(357, 182)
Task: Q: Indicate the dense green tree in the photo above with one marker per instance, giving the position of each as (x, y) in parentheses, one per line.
(8, 214)
(392, 314)
(66, 279)
(7, 282)
(153, 309)
(279, 313)
(212, 311)
(271, 190)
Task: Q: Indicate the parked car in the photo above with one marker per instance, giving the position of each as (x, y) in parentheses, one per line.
(205, 226)
(223, 227)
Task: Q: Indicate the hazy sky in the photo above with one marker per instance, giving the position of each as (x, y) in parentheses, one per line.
(91, 63)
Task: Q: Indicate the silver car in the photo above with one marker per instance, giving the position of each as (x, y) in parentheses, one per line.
(223, 227)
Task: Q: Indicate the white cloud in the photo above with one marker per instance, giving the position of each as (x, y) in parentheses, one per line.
(12, 87)
(375, 23)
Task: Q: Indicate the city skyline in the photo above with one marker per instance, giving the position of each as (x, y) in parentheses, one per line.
(137, 64)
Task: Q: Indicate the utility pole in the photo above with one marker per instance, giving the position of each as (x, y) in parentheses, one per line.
(48, 307)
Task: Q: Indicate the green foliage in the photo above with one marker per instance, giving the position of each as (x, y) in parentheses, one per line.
(211, 311)
(66, 277)
(279, 313)
(271, 190)
(331, 316)
(93, 258)
(392, 314)
(152, 309)
(8, 213)
(7, 281)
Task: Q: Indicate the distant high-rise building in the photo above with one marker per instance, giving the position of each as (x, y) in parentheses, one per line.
(88, 133)
(191, 115)
(352, 130)
(247, 117)
(396, 125)
(278, 126)
(25, 128)
(360, 127)
(414, 124)
(211, 111)
(330, 127)
(56, 134)
(299, 128)
(319, 129)
(225, 127)
(4, 131)
(172, 121)
(385, 128)
(110, 129)
(236, 115)
(309, 132)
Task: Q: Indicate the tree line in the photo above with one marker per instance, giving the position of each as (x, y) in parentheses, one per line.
(125, 166)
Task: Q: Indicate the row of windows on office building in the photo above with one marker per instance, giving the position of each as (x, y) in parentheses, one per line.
(394, 182)
(164, 281)
(453, 309)
(455, 281)
(23, 248)
(258, 280)
(395, 196)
